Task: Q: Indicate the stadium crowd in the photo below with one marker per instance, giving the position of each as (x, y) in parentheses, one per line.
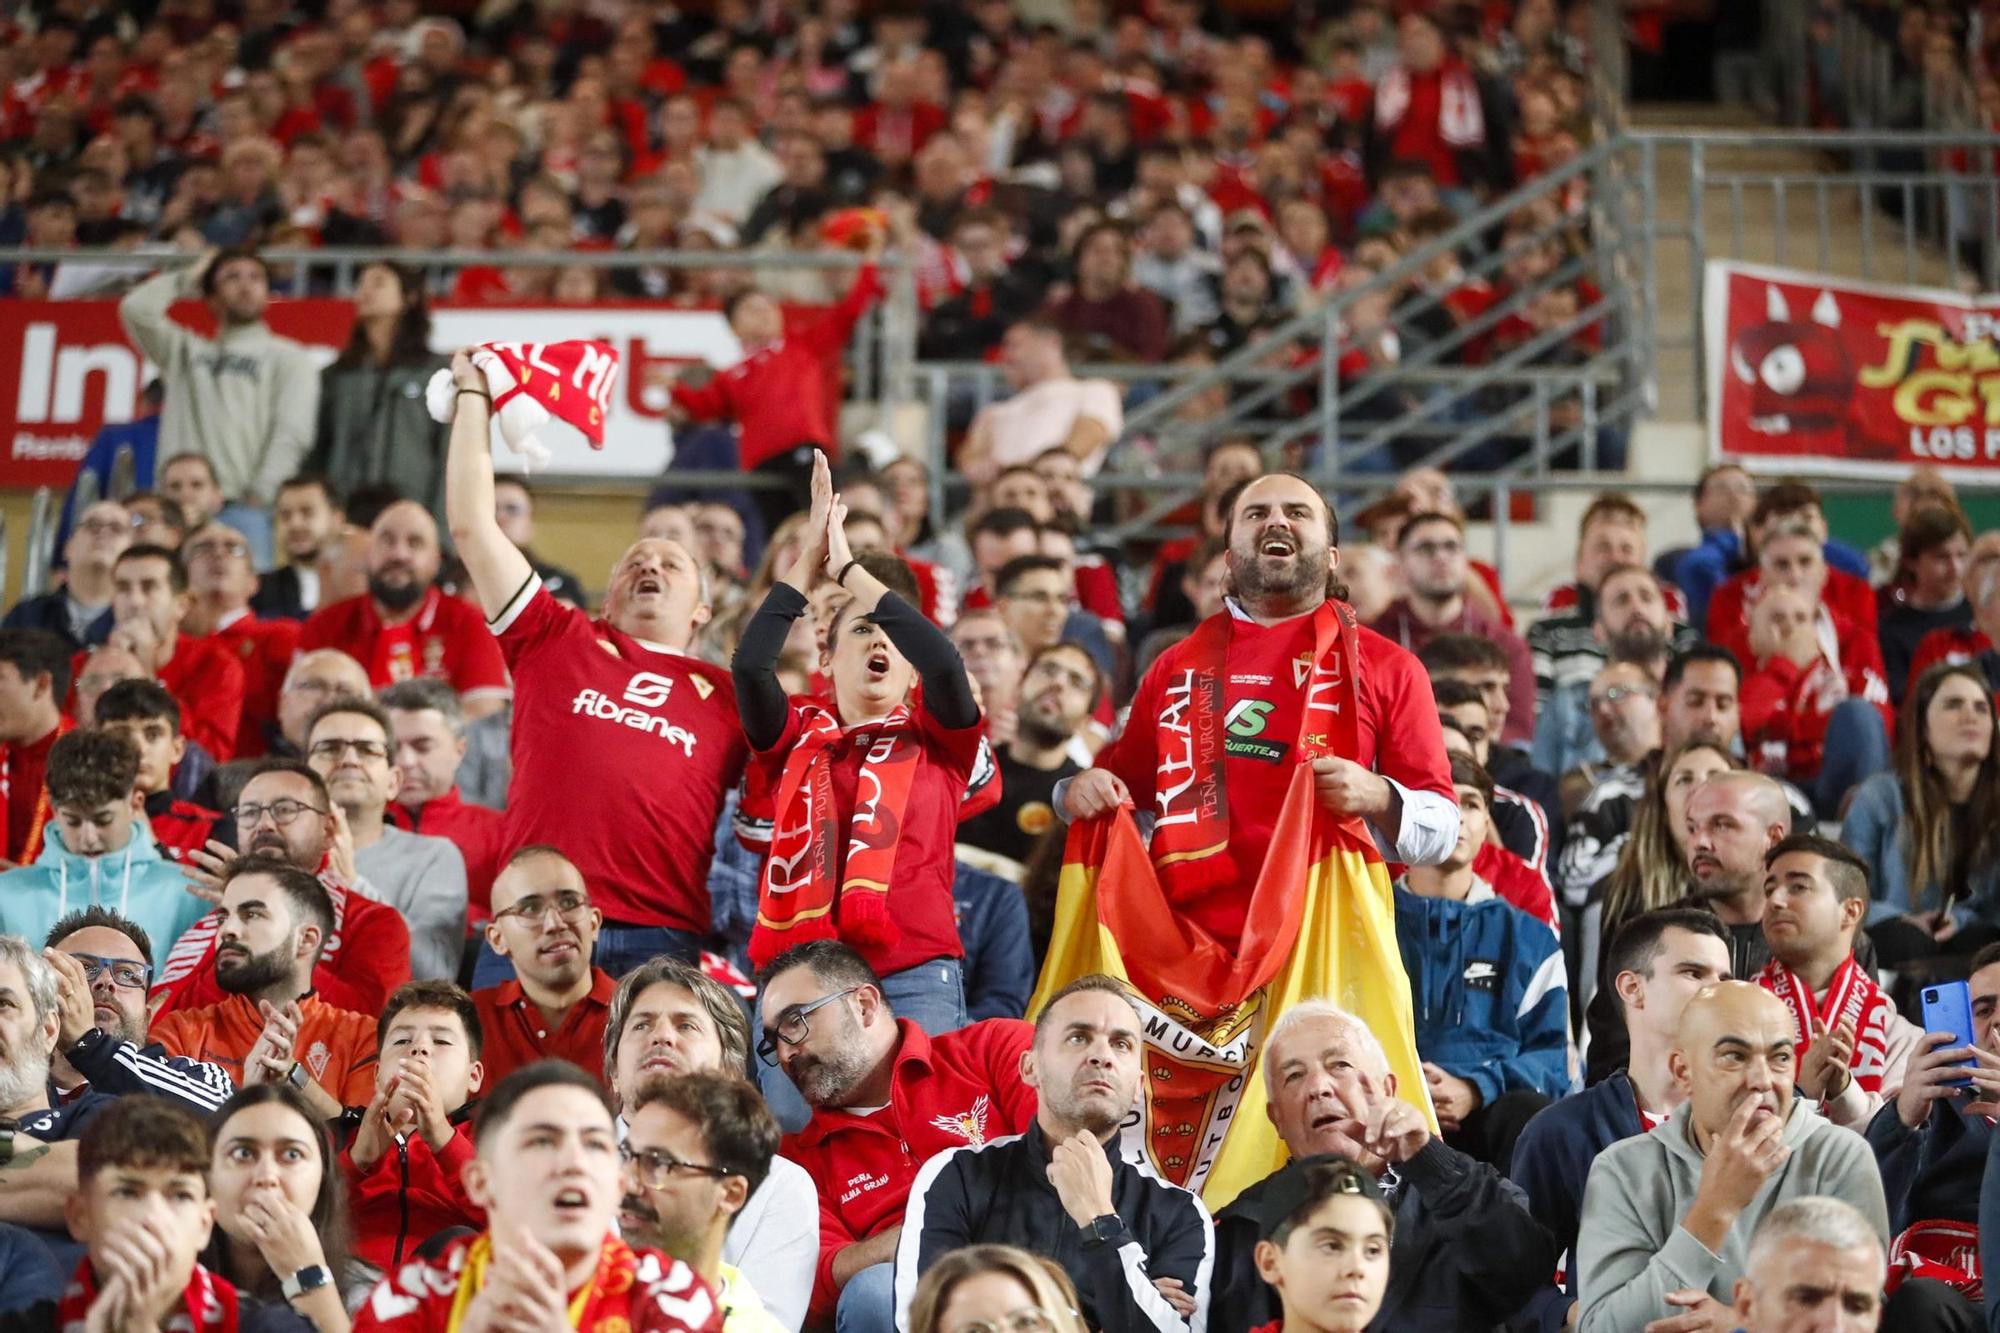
(388, 942)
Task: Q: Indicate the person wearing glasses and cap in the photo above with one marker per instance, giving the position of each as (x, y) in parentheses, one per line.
(696, 1148)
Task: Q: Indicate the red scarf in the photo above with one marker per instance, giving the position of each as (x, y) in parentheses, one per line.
(1191, 833)
(802, 896)
(1461, 120)
(207, 1305)
(541, 371)
(1854, 998)
(1942, 1250)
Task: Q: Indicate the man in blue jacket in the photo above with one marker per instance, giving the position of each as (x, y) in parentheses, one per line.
(1658, 960)
(1932, 1144)
(1489, 989)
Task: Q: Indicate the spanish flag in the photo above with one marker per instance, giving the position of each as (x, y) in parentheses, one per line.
(1321, 924)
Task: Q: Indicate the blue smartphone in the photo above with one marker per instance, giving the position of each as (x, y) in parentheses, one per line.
(1948, 1008)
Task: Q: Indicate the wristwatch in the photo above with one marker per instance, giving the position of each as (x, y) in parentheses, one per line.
(310, 1278)
(1103, 1229)
(297, 1076)
(7, 1128)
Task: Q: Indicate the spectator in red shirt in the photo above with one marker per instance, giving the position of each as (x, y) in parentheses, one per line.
(616, 707)
(34, 675)
(1104, 311)
(779, 392)
(544, 929)
(405, 626)
(428, 731)
(414, 1138)
(1815, 710)
(885, 1097)
(146, 713)
(149, 603)
(1433, 107)
(221, 583)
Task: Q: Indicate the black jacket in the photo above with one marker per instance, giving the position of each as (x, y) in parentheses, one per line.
(1000, 1192)
(1466, 1256)
(252, 1316)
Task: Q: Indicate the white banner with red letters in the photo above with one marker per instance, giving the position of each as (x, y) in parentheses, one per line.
(67, 370)
(1814, 374)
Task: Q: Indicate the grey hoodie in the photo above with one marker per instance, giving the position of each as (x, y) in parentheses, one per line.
(1631, 1247)
(246, 401)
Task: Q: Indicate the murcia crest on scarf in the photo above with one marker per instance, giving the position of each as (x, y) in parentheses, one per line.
(1851, 998)
(532, 383)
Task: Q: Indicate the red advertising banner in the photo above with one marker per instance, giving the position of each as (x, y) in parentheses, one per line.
(67, 370)
(1808, 373)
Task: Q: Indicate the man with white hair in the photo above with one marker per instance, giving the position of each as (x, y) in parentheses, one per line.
(315, 679)
(36, 1148)
(617, 708)
(1467, 1253)
(1815, 1263)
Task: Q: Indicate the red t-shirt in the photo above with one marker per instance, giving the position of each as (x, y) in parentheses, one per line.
(206, 679)
(1948, 645)
(942, 792)
(622, 758)
(264, 649)
(446, 639)
(517, 1034)
(1848, 597)
(22, 768)
(1398, 732)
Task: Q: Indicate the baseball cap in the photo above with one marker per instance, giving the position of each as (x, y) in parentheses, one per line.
(1306, 1181)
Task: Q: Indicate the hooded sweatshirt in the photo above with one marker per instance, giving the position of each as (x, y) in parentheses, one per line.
(247, 400)
(1631, 1247)
(136, 882)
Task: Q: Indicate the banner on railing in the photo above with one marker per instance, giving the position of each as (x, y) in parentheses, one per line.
(1808, 373)
(67, 370)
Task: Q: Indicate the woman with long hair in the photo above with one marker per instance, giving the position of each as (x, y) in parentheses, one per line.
(280, 1209)
(374, 428)
(995, 1289)
(1652, 872)
(1929, 828)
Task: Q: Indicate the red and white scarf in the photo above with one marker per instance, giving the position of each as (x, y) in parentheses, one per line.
(1190, 846)
(207, 1305)
(1852, 998)
(804, 895)
(1461, 119)
(1941, 1249)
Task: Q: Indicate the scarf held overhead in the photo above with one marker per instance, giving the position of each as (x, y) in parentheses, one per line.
(533, 382)
(804, 895)
(1461, 119)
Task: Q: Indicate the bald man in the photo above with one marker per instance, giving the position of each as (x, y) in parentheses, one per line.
(405, 626)
(221, 582)
(1733, 819)
(1668, 1216)
(618, 710)
(314, 678)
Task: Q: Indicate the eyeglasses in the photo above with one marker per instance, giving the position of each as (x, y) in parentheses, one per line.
(533, 910)
(218, 547)
(791, 1026)
(125, 974)
(1020, 1321)
(1617, 694)
(106, 527)
(334, 748)
(1431, 550)
(282, 813)
(656, 1166)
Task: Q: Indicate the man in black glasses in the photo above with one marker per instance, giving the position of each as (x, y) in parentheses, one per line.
(102, 967)
(284, 811)
(556, 1003)
(696, 1148)
(349, 744)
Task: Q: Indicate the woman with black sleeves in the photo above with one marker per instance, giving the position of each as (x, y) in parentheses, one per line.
(858, 799)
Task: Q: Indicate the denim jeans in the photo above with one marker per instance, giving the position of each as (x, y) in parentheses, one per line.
(1856, 748)
(622, 948)
(931, 995)
(868, 1302)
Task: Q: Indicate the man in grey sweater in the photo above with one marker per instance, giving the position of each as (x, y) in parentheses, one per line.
(349, 744)
(247, 399)
(1668, 1216)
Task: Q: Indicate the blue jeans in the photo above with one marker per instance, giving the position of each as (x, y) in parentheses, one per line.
(622, 948)
(931, 995)
(1857, 748)
(255, 525)
(868, 1302)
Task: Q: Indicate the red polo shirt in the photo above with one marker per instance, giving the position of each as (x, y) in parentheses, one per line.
(446, 639)
(515, 1033)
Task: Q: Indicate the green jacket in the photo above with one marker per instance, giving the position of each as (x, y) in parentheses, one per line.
(375, 430)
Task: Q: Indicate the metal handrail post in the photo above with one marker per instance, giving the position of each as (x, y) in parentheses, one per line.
(1697, 256)
(40, 556)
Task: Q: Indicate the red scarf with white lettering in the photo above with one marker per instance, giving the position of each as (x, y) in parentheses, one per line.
(804, 895)
(207, 1305)
(1853, 997)
(1191, 832)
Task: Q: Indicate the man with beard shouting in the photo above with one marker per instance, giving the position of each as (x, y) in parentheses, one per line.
(1285, 629)
(406, 626)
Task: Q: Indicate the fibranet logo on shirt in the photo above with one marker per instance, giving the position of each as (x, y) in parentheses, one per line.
(644, 691)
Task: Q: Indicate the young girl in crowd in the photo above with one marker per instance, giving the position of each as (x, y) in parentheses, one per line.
(859, 801)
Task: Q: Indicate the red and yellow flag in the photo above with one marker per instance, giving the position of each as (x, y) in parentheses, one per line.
(1321, 925)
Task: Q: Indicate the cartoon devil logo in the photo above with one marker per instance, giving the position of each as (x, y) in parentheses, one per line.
(1800, 377)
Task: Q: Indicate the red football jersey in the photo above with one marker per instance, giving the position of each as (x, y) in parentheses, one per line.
(446, 639)
(622, 758)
